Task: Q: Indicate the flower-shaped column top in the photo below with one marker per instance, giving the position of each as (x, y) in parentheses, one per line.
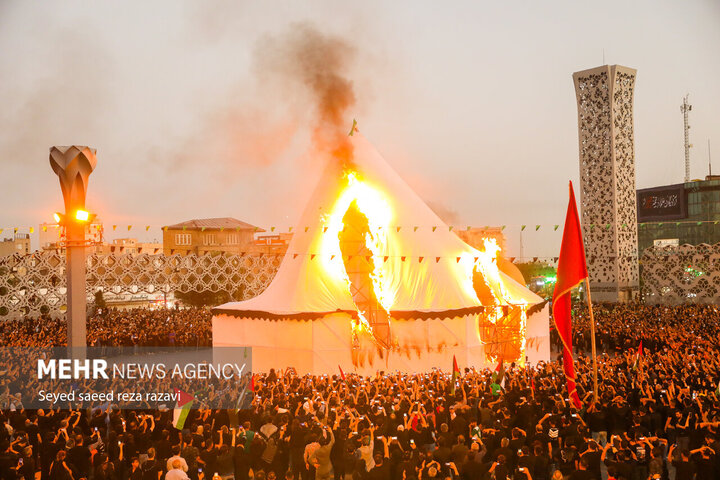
(73, 165)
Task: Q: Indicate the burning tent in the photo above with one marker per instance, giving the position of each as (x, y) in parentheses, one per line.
(374, 280)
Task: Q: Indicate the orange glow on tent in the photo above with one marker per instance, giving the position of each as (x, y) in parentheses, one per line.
(505, 316)
(370, 202)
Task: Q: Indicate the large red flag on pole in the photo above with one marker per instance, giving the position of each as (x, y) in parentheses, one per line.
(570, 272)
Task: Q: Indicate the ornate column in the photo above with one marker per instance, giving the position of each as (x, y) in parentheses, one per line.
(73, 166)
(607, 180)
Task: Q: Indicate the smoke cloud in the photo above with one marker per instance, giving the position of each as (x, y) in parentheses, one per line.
(301, 84)
(317, 66)
(446, 214)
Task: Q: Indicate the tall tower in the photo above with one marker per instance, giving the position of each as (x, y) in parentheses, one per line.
(684, 109)
(607, 180)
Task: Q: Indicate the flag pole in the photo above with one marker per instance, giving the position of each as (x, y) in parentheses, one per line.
(592, 341)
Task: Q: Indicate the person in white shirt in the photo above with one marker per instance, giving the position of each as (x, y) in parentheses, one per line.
(176, 473)
(176, 456)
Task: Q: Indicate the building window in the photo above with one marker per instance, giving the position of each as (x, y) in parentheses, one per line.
(232, 239)
(209, 239)
(182, 239)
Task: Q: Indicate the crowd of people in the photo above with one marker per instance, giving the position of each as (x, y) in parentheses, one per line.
(657, 417)
(114, 327)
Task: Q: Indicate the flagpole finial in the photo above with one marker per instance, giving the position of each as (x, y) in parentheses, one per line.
(353, 129)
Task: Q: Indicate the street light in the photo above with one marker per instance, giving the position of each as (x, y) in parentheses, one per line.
(82, 216)
(73, 166)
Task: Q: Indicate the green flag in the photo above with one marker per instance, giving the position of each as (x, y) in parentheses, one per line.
(498, 378)
(182, 408)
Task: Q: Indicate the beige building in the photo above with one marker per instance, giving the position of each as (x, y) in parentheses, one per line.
(133, 247)
(273, 244)
(206, 235)
(51, 236)
(19, 243)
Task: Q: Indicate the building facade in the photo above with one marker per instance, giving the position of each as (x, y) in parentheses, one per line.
(607, 180)
(680, 214)
(132, 246)
(208, 235)
(276, 244)
(18, 243)
(51, 236)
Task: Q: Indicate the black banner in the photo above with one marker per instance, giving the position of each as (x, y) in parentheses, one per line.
(662, 203)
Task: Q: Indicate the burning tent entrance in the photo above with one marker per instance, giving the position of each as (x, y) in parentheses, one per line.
(360, 267)
(372, 272)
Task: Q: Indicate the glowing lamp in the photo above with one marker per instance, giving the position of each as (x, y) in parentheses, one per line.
(82, 215)
(58, 217)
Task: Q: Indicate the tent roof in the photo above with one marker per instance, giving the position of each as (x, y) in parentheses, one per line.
(311, 281)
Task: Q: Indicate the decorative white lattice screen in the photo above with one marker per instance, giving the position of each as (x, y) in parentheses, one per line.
(685, 274)
(35, 284)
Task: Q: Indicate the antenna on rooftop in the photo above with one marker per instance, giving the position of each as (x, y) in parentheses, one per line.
(709, 160)
(685, 108)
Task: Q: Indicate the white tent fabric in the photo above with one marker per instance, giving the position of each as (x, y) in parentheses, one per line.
(311, 278)
(320, 346)
(424, 274)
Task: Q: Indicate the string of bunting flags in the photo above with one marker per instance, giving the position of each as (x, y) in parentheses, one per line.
(398, 228)
(383, 258)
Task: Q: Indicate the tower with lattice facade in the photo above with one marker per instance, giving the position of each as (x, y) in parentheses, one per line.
(607, 180)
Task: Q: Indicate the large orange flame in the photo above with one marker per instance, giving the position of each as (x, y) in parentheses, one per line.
(501, 308)
(371, 202)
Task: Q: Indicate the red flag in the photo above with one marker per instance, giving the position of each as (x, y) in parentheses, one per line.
(638, 355)
(252, 383)
(342, 374)
(570, 272)
(455, 373)
(183, 397)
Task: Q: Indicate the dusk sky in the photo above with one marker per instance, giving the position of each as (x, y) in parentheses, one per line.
(471, 102)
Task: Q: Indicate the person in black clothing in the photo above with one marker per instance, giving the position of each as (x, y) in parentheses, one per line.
(705, 460)
(136, 472)
(79, 457)
(591, 455)
(582, 472)
(540, 463)
(152, 468)
(381, 470)
(684, 468)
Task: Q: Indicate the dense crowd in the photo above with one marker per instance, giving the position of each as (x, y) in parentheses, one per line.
(657, 416)
(114, 327)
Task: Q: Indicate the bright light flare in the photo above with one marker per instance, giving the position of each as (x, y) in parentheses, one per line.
(82, 215)
(58, 217)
